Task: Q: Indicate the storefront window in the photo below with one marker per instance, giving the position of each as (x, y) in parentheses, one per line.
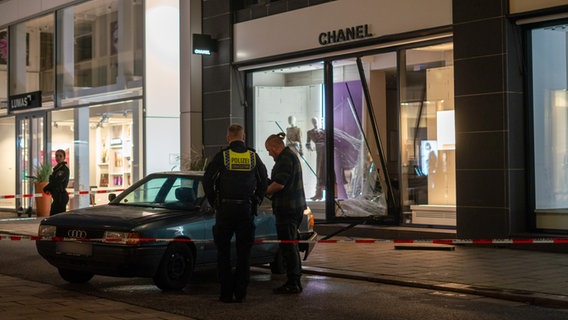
(115, 147)
(427, 132)
(385, 154)
(110, 146)
(549, 50)
(3, 71)
(360, 187)
(8, 161)
(290, 100)
(31, 52)
(101, 56)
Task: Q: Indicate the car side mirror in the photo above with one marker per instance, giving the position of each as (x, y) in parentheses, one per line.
(111, 197)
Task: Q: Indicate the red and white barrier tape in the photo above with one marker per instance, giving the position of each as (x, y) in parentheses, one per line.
(357, 241)
(39, 195)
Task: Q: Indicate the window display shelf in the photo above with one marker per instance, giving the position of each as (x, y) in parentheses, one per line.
(434, 214)
(115, 167)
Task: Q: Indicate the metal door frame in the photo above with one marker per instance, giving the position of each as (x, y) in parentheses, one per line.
(23, 187)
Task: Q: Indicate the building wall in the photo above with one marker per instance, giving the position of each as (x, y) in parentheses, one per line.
(219, 108)
(15, 10)
(490, 126)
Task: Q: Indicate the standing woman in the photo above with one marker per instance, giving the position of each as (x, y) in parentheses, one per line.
(58, 181)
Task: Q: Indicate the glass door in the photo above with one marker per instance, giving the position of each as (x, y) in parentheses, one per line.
(30, 153)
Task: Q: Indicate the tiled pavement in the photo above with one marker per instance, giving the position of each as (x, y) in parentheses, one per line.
(518, 275)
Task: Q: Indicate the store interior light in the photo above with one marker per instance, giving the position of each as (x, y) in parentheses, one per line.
(446, 130)
(560, 98)
(203, 44)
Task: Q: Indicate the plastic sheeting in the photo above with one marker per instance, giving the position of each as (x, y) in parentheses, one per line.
(359, 189)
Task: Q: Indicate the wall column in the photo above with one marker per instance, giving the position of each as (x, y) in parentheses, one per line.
(490, 124)
(221, 104)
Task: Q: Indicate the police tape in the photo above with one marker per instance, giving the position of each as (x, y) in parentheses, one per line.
(39, 195)
(516, 241)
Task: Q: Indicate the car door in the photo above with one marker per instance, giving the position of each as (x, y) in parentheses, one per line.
(265, 231)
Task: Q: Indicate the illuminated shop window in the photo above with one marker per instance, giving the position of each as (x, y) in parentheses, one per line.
(549, 50)
(427, 133)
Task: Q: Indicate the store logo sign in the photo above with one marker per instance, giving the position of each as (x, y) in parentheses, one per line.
(344, 35)
(25, 101)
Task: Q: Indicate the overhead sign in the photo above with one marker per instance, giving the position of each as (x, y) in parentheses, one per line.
(346, 34)
(24, 101)
(203, 44)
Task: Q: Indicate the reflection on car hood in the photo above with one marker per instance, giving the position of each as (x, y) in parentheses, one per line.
(116, 215)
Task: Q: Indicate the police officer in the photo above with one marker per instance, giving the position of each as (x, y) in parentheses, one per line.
(235, 182)
(58, 181)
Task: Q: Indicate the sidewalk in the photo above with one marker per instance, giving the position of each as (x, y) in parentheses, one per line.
(534, 277)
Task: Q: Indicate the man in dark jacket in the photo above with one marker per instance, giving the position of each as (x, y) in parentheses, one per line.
(235, 182)
(288, 205)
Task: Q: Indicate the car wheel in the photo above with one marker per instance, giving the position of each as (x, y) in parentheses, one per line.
(278, 265)
(75, 276)
(176, 268)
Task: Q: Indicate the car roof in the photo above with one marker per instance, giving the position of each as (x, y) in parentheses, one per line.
(178, 173)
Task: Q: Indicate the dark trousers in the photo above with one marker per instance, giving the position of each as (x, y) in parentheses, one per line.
(59, 203)
(287, 229)
(238, 220)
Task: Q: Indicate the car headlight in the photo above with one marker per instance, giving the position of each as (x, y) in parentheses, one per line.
(121, 237)
(46, 231)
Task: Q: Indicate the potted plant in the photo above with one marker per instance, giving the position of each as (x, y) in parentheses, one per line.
(40, 178)
(193, 162)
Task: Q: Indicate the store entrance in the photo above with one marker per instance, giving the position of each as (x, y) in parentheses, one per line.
(30, 153)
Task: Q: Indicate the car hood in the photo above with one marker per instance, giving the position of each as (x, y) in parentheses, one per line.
(116, 216)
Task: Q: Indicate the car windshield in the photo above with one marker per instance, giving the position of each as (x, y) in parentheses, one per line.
(175, 192)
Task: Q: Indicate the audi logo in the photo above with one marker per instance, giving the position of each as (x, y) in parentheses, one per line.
(77, 234)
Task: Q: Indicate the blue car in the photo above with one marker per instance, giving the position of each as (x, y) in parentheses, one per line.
(161, 228)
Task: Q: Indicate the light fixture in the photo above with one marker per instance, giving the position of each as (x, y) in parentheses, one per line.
(446, 130)
(104, 117)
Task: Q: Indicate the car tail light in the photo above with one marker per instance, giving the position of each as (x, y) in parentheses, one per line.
(312, 221)
(120, 237)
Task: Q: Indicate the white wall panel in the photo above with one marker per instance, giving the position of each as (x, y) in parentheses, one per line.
(162, 88)
(299, 29)
(518, 6)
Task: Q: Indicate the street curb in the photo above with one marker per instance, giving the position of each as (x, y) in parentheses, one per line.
(533, 298)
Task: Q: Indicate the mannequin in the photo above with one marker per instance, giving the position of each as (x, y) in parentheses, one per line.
(293, 136)
(317, 136)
